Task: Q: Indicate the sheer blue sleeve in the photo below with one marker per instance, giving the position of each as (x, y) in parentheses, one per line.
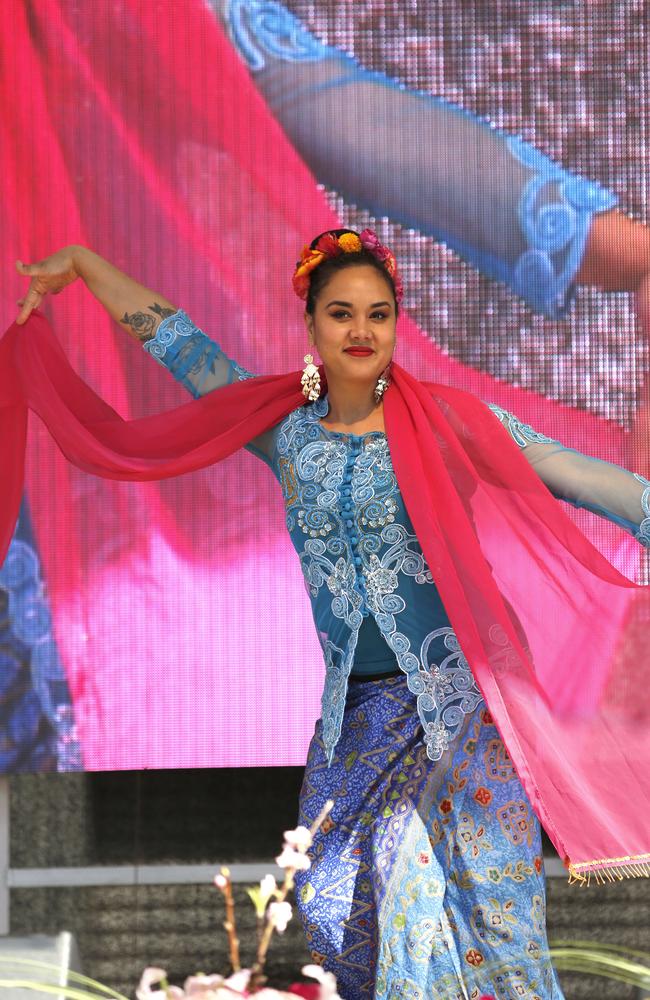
(200, 364)
(600, 487)
(496, 200)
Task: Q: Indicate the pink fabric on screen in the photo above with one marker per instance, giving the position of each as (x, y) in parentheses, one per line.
(136, 130)
(502, 553)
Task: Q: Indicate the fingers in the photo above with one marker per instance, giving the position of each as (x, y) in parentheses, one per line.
(36, 292)
(27, 269)
(31, 301)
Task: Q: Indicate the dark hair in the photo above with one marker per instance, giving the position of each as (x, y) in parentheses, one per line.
(322, 274)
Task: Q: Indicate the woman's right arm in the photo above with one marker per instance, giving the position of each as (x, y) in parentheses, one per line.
(137, 309)
(166, 332)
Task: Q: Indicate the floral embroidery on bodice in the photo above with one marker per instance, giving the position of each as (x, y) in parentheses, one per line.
(360, 556)
(362, 563)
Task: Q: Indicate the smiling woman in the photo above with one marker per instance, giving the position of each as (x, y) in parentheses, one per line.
(352, 302)
(354, 334)
(414, 543)
(430, 809)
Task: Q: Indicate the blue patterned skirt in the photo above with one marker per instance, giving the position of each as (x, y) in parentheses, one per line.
(427, 880)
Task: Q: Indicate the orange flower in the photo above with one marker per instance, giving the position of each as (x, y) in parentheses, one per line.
(445, 806)
(308, 261)
(474, 957)
(350, 243)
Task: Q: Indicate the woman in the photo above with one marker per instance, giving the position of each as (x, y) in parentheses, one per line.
(427, 878)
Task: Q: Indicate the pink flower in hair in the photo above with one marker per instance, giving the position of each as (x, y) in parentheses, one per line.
(370, 241)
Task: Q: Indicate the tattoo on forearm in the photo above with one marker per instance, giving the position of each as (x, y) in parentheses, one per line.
(162, 311)
(144, 325)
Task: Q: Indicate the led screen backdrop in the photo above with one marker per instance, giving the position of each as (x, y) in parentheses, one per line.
(198, 146)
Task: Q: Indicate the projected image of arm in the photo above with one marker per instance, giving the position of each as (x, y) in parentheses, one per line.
(420, 160)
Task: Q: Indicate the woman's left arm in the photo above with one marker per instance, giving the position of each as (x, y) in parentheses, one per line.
(590, 483)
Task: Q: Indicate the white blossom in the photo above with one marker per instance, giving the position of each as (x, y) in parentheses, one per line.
(149, 977)
(326, 979)
(201, 985)
(280, 915)
(293, 859)
(300, 838)
(268, 886)
(238, 980)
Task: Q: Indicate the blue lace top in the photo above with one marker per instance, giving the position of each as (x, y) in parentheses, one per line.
(373, 598)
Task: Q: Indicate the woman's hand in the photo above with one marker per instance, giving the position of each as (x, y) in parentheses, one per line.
(48, 277)
(138, 309)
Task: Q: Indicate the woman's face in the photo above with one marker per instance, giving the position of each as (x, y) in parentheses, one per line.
(353, 325)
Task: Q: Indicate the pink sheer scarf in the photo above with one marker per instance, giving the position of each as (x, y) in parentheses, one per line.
(548, 625)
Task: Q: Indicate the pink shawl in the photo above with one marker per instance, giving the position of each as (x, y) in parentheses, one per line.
(548, 625)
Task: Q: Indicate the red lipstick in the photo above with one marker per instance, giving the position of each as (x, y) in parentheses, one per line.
(359, 352)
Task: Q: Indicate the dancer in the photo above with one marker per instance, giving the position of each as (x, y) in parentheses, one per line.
(427, 880)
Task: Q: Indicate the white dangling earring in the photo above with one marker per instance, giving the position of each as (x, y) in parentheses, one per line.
(310, 380)
(383, 382)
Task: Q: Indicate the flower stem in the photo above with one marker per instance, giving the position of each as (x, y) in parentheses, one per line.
(229, 923)
(257, 978)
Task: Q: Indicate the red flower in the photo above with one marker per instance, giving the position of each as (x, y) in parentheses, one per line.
(310, 991)
(483, 796)
(301, 285)
(445, 806)
(474, 957)
(538, 865)
(329, 245)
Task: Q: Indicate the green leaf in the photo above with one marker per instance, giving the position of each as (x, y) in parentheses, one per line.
(608, 961)
(74, 977)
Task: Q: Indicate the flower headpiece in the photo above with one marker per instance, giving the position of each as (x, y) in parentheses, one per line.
(330, 245)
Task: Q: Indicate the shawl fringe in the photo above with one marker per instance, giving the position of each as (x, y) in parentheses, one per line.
(604, 870)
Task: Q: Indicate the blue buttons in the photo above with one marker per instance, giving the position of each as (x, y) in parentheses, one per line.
(357, 561)
(354, 540)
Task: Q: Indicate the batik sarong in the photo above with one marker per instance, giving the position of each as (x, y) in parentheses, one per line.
(427, 879)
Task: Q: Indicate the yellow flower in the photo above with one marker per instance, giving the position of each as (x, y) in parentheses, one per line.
(350, 243)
